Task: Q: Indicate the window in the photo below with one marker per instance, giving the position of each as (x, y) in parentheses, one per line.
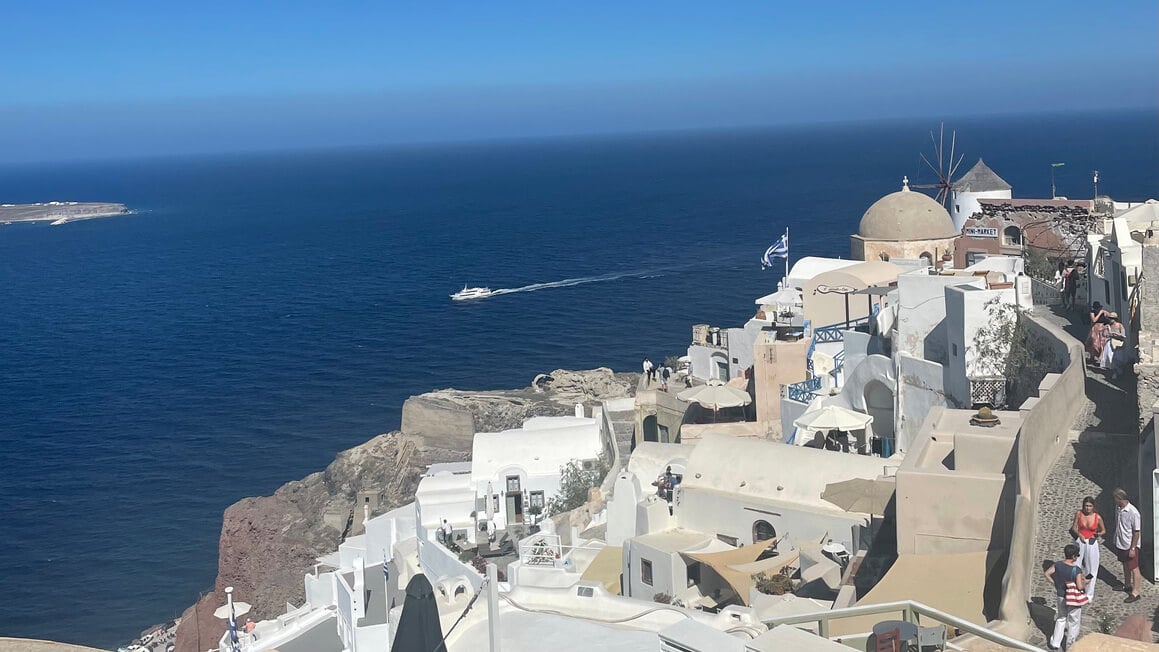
(663, 434)
(512, 483)
(954, 348)
(537, 499)
(957, 208)
(1012, 236)
(495, 503)
(732, 541)
(763, 531)
(585, 591)
(646, 571)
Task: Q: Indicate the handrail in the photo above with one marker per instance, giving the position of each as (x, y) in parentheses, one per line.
(910, 611)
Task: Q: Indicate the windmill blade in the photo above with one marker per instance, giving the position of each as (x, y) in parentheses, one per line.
(956, 165)
(931, 165)
(953, 143)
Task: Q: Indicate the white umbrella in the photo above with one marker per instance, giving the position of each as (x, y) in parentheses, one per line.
(239, 609)
(832, 417)
(716, 396)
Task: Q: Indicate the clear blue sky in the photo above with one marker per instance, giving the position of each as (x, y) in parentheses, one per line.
(83, 79)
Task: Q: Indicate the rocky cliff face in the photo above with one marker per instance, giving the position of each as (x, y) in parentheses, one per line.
(269, 543)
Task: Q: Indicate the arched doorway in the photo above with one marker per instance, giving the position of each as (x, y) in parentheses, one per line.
(763, 531)
(879, 405)
(720, 361)
(651, 432)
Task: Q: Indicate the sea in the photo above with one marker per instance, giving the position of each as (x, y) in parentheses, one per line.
(258, 313)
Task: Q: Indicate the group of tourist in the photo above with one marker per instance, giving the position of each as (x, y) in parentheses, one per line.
(666, 484)
(1105, 343)
(1074, 577)
(654, 372)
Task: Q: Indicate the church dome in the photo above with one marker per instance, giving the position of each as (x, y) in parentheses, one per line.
(906, 215)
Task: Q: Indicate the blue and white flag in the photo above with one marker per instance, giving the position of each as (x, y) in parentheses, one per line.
(780, 249)
(234, 643)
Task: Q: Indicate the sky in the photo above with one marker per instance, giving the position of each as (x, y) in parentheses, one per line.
(90, 79)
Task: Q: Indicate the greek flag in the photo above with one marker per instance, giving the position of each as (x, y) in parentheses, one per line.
(233, 632)
(780, 249)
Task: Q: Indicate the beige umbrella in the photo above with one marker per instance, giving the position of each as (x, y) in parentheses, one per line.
(860, 495)
(716, 396)
(239, 609)
(831, 417)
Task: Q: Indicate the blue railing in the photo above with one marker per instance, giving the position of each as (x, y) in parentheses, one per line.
(803, 391)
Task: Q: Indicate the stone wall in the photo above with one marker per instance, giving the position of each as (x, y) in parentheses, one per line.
(1046, 422)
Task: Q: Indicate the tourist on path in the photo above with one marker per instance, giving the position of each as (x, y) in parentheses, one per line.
(1115, 336)
(647, 370)
(1098, 336)
(448, 533)
(1088, 527)
(1127, 527)
(1070, 587)
(665, 374)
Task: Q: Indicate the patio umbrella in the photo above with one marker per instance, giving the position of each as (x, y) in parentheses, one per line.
(239, 609)
(716, 396)
(860, 495)
(833, 417)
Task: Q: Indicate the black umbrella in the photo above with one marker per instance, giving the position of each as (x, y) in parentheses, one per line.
(418, 626)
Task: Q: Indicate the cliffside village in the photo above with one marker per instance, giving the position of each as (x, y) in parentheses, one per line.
(866, 463)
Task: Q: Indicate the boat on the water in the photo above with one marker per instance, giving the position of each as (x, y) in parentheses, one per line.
(466, 294)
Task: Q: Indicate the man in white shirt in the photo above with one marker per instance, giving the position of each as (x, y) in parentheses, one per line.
(1128, 524)
(448, 533)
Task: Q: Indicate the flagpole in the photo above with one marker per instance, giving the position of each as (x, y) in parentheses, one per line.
(786, 279)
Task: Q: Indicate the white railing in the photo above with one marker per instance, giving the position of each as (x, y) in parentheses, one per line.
(910, 611)
(543, 550)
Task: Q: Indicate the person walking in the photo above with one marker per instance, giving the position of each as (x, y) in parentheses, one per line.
(1070, 588)
(1128, 524)
(665, 374)
(647, 370)
(1088, 526)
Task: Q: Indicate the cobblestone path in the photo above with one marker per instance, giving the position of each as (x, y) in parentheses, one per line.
(1103, 455)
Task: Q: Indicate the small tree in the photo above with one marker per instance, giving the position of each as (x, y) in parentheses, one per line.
(1003, 348)
(575, 482)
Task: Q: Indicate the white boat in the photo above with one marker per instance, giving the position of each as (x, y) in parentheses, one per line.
(466, 294)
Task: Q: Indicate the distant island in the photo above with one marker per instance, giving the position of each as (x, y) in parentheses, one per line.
(58, 212)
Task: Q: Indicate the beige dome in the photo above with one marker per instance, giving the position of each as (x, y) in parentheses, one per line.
(906, 215)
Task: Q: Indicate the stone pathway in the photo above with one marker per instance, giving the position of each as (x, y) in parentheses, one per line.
(1103, 454)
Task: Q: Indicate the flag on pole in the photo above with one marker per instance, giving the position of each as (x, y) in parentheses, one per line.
(779, 249)
(233, 631)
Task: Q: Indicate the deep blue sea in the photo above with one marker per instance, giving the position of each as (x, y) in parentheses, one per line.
(259, 313)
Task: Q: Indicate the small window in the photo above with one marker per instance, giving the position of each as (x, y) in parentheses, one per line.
(954, 348)
(1012, 236)
(732, 541)
(537, 499)
(663, 434)
(957, 208)
(646, 572)
(763, 531)
(734, 361)
(587, 465)
(585, 592)
(513, 483)
(495, 503)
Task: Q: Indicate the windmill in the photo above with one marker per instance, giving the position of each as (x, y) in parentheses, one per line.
(946, 168)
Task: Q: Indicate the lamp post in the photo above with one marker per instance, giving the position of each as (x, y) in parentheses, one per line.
(1054, 195)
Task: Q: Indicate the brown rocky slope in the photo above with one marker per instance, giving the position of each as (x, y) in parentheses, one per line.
(269, 543)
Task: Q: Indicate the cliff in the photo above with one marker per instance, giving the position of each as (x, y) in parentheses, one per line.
(269, 543)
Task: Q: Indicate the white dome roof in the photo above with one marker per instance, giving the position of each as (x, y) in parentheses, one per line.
(906, 215)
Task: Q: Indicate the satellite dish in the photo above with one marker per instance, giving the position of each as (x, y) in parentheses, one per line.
(822, 363)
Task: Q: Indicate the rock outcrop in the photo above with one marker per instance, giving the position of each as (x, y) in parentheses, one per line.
(269, 543)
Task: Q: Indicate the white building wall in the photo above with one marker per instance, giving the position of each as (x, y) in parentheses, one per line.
(922, 313)
(966, 313)
(965, 204)
(668, 574)
(716, 513)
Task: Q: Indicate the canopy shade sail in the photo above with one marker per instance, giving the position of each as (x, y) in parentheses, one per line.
(739, 566)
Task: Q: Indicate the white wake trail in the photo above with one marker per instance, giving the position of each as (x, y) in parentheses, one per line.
(569, 282)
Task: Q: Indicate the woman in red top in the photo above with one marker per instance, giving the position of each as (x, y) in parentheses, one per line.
(1088, 527)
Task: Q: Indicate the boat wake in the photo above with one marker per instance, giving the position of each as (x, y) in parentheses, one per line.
(569, 282)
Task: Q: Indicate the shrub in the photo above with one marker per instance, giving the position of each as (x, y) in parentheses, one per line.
(776, 584)
(662, 598)
(574, 484)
